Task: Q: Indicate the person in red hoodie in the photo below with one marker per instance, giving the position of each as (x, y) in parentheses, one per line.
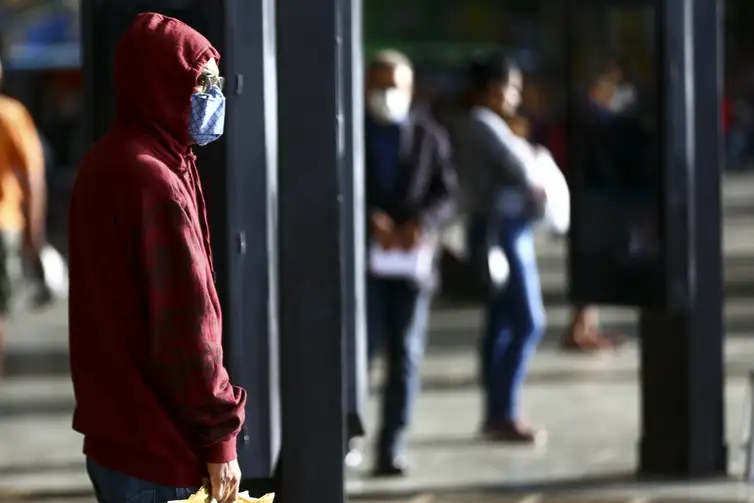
(153, 400)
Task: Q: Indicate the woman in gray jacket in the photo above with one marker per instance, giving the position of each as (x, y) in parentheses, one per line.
(502, 199)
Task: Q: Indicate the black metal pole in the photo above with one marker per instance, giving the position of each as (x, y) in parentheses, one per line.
(245, 202)
(708, 345)
(311, 160)
(354, 218)
(682, 350)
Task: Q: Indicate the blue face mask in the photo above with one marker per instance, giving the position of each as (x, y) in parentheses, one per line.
(207, 121)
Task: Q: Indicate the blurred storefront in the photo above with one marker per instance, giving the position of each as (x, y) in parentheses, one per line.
(440, 36)
(39, 34)
(40, 48)
(39, 45)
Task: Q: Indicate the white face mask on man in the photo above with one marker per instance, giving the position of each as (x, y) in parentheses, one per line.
(624, 97)
(390, 105)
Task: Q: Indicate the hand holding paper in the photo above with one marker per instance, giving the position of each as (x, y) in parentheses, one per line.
(383, 229)
(414, 263)
(224, 480)
(408, 235)
(202, 496)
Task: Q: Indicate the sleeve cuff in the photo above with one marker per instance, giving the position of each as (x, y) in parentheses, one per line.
(221, 452)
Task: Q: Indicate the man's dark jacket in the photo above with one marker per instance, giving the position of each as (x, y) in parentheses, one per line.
(426, 184)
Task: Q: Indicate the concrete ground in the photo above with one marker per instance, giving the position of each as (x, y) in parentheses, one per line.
(588, 403)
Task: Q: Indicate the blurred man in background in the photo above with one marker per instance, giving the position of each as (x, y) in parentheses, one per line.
(410, 187)
(583, 333)
(22, 198)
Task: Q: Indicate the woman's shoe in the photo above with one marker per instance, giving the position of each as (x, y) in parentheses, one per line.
(584, 334)
(591, 341)
(514, 432)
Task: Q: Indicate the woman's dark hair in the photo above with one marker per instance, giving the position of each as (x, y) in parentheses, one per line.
(490, 68)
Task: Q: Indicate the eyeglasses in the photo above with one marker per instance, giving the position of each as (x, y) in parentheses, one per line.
(207, 81)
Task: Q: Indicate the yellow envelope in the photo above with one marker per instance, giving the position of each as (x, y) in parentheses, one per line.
(202, 496)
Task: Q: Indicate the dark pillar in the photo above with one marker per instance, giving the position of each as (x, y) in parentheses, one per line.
(311, 160)
(239, 176)
(709, 343)
(354, 218)
(682, 353)
(242, 207)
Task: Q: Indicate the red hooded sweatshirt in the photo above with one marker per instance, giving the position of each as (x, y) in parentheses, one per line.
(153, 400)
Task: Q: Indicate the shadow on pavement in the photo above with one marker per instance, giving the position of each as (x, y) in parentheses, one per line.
(554, 377)
(46, 362)
(449, 442)
(459, 293)
(742, 326)
(551, 378)
(594, 483)
(53, 362)
(602, 482)
(570, 490)
(43, 407)
(42, 467)
(739, 209)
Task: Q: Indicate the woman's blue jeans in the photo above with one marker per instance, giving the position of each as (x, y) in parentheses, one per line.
(515, 317)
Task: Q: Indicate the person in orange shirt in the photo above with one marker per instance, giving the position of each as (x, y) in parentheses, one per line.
(22, 198)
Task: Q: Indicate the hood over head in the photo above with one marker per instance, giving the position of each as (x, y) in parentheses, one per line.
(157, 65)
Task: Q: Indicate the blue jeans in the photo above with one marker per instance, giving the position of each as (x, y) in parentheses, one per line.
(397, 314)
(515, 318)
(114, 487)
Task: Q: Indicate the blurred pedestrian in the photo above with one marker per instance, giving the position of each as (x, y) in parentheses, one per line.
(623, 95)
(410, 188)
(599, 119)
(153, 399)
(22, 199)
(497, 170)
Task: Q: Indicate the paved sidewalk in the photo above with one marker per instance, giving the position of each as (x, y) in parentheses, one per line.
(588, 403)
(591, 413)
